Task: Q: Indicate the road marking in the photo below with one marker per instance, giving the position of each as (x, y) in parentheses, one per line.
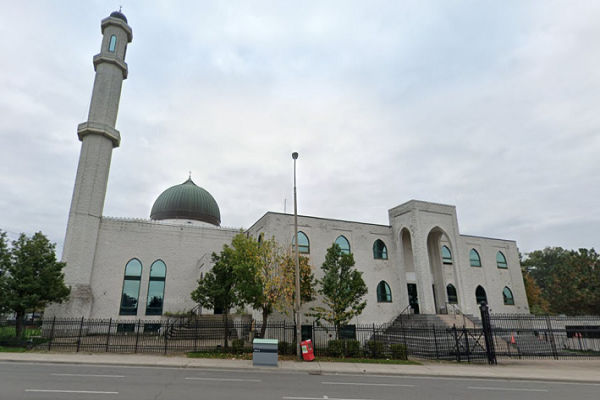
(225, 379)
(509, 389)
(69, 391)
(365, 384)
(318, 398)
(94, 376)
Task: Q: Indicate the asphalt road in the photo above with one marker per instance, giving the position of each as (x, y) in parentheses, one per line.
(59, 381)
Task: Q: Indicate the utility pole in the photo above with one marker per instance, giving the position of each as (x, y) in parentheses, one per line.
(297, 305)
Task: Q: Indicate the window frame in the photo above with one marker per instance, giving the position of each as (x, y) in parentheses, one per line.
(478, 298)
(302, 248)
(502, 264)
(508, 301)
(384, 292)
(156, 310)
(112, 44)
(345, 251)
(478, 258)
(381, 253)
(123, 310)
(444, 258)
(449, 296)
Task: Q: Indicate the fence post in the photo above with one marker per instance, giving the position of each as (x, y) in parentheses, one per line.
(137, 336)
(108, 336)
(437, 355)
(552, 342)
(196, 334)
(487, 333)
(466, 336)
(456, 341)
(167, 339)
(52, 333)
(79, 336)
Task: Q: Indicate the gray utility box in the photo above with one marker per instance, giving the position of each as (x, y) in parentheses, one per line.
(264, 352)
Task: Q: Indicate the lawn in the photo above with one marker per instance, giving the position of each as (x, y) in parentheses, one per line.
(12, 349)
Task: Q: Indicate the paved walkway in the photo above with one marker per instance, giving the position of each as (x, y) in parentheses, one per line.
(544, 370)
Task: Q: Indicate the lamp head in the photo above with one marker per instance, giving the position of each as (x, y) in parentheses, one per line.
(295, 155)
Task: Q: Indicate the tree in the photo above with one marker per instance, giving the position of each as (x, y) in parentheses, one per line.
(218, 288)
(342, 288)
(32, 278)
(568, 279)
(537, 303)
(267, 283)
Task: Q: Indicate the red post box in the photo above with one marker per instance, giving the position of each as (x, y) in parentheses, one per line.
(308, 353)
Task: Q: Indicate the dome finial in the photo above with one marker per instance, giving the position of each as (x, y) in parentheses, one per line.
(190, 177)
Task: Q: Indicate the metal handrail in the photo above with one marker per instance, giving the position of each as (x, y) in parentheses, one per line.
(456, 309)
(408, 307)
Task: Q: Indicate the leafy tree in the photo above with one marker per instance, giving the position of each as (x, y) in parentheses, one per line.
(542, 263)
(537, 303)
(342, 288)
(32, 278)
(218, 289)
(307, 282)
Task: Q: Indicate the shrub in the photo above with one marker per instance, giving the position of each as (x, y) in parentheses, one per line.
(237, 346)
(283, 347)
(335, 348)
(376, 349)
(398, 352)
(352, 348)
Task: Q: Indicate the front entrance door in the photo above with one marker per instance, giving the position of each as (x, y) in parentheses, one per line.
(413, 297)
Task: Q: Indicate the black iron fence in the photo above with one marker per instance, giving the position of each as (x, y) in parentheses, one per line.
(507, 336)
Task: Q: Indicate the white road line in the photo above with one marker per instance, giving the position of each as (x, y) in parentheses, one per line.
(318, 398)
(365, 384)
(509, 389)
(93, 376)
(69, 391)
(225, 379)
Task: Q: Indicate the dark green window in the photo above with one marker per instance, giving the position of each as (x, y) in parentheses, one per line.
(384, 293)
(452, 295)
(156, 288)
(508, 297)
(379, 250)
(446, 256)
(480, 295)
(501, 260)
(344, 244)
(304, 244)
(474, 258)
(113, 44)
(131, 288)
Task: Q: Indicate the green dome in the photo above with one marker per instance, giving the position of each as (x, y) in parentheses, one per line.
(186, 201)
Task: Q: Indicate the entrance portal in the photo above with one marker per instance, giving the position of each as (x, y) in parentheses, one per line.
(413, 297)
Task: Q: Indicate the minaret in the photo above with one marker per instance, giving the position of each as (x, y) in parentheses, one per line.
(98, 138)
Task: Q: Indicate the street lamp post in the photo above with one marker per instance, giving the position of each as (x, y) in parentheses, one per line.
(297, 303)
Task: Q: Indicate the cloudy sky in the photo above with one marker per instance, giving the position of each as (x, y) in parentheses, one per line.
(489, 106)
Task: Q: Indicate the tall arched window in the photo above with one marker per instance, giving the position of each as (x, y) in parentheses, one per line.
(112, 45)
(303, 243)
(384, 293)
(343, 243)
(509, 300)
(156, 288)
(446, 255)
(480, 295)
(474, 258)
(501, 260)
(379, 250)
(131, 287)
(451, 292)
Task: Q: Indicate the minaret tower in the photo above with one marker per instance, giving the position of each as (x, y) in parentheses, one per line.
(98, 138)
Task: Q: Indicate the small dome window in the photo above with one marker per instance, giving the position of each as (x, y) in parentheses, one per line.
(343, 243)
(509, 300)
(452, 295)
(446, 256)
(384, 293)
(112, 45)
(304, 244)
(474, 258)
(379, 250)
(501, 260)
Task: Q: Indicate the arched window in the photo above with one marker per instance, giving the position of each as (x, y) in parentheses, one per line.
(474, 258)
(379, 250)
(112, 45)
(156, 288)
(452, 296)
(509, 300)
(303, 243)
(131, 287)
(480, 295)
(260, 239)
(446, 255)
(384, 293)
(501, 260)
(344, 244)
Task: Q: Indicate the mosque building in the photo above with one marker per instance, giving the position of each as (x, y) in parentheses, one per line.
(132, 268)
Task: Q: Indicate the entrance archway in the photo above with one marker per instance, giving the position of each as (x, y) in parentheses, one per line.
(409, 269)
(440, 266)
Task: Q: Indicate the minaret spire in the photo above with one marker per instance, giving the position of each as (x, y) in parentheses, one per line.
(98, 138)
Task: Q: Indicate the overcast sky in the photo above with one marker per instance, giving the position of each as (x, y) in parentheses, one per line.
(489, 106)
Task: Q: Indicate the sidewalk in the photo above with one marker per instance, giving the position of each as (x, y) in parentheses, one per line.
(543, 370)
